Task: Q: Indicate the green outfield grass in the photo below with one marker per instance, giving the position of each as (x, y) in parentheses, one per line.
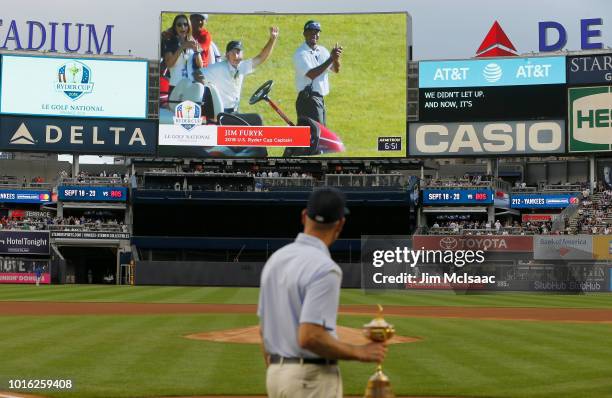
(180, 294)
(146, 356)
(368, 96)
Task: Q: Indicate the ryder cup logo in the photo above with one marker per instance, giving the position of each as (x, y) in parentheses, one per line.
(188, 115)
(74, 80)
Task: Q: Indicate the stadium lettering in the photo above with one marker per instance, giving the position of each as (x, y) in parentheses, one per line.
(492, 138)
(77, 37)
(54, 134)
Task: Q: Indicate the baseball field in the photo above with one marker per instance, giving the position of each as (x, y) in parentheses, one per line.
(131, 341)
(367, 98)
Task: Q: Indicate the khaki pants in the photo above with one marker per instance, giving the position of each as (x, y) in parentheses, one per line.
(303, 381)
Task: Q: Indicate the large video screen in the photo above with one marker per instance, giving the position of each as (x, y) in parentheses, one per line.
(80, 87)
(248, 85)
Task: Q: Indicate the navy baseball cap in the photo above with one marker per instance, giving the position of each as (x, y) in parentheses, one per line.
(234, 44)
(326, 205)
(312, 25)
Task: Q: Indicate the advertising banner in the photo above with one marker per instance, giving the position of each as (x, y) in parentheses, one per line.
(80, 136)
(24, 242)
(543, 201)
(78, 87)
(257, 136)
(602, 247)
(23, 270)
(538, 217)
(92, 194)
(589, 119)
(24, 196)
(563, 247)
(586, 69)
(457, 196)
(492, 103)
(492, 243)
(17, 213)
(59, 235)
(490, 72)
(486, 138)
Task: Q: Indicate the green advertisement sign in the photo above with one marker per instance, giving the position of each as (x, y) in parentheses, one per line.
(590, 119)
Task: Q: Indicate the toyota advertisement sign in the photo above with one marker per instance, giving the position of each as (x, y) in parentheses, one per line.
(490, 243)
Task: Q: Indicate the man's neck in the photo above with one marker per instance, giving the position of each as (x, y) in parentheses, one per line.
(325, 237)
(313, 47)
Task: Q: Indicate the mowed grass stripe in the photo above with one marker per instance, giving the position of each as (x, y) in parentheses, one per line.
(230, 295)
(490, 358)
(136, 356)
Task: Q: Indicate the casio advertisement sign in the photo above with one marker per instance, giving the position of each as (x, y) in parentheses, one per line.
(486, 139)
(82, 136)
(492, 72)
(585, 69)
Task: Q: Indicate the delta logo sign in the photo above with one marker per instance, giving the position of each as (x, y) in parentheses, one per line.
(552, 36)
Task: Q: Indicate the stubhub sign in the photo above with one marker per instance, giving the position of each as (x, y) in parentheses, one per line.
(492, 72)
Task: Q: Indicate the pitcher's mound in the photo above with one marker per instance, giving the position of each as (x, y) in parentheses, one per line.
(250, 335)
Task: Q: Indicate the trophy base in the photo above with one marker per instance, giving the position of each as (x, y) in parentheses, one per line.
(379, 386)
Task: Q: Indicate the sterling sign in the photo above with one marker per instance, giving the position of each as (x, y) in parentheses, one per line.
(493, 138)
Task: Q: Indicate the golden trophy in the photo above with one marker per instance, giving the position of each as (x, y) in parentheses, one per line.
(379, 330)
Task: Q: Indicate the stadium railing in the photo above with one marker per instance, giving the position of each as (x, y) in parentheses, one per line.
(95, 181)
(474, 231)
(366, 180)
(103, 227)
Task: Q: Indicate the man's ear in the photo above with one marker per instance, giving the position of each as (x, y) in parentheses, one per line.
(304, 217)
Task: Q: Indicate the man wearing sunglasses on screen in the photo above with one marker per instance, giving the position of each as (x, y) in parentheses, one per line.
(312, 63)
(227, 76)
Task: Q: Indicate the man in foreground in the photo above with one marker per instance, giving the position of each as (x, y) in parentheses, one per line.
(298, 308)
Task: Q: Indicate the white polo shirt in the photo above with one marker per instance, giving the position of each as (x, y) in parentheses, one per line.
(228, 80)
(300, 283)
(304, 59)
